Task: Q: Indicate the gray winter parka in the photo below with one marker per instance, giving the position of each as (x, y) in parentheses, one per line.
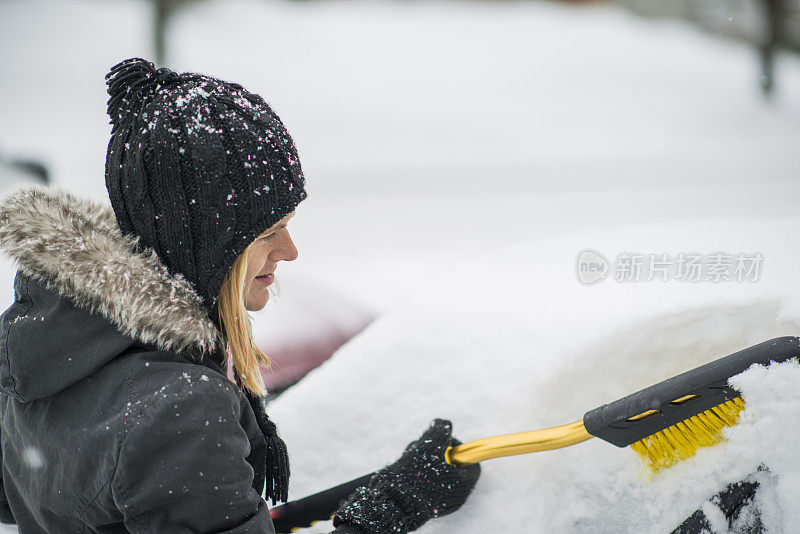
(115, 413)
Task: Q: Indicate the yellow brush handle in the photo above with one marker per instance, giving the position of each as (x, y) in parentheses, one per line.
(520, 443)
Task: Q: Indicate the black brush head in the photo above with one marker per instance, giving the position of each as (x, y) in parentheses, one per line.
(653, 409)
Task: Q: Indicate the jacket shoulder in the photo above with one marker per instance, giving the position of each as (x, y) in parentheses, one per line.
(154, 374)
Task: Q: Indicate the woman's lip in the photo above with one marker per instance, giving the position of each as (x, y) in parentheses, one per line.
(266, 279)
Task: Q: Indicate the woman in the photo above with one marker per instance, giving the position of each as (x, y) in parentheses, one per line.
(117, 415)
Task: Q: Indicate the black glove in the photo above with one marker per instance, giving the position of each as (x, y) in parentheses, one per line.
(417, 487)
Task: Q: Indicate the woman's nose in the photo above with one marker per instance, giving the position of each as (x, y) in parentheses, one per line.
(287, 250)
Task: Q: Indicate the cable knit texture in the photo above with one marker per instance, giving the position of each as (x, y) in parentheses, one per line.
(196, 168)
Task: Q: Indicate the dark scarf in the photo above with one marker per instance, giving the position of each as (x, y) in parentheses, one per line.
(277, 471)
(277, 467)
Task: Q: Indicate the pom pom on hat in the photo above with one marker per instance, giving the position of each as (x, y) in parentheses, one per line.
(131, 82)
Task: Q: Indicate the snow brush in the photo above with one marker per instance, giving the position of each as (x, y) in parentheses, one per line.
(664, 423)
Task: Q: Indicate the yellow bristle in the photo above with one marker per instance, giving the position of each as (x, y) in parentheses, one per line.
(681, 440)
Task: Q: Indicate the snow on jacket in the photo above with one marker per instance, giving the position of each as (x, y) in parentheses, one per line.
(112, 419)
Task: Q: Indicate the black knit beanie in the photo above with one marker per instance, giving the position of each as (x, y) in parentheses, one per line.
(196, 168)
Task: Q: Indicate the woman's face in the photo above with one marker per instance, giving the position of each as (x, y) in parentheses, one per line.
(263, 256)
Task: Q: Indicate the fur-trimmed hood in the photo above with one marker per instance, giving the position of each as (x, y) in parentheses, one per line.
(74, 247)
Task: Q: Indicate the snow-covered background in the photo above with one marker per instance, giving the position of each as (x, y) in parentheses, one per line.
(529, 347)
(459, 155)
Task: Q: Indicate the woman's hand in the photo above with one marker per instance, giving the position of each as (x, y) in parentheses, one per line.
(419, 486)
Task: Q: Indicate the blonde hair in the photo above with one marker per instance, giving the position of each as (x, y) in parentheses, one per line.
(235, 322)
